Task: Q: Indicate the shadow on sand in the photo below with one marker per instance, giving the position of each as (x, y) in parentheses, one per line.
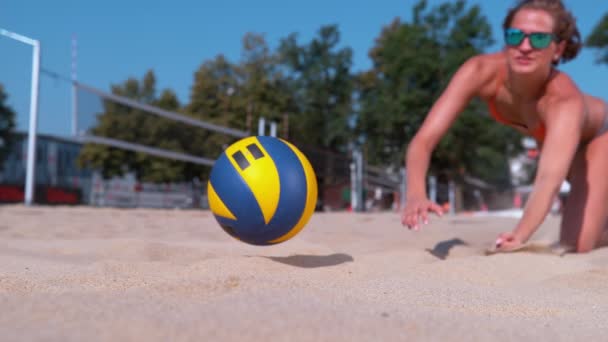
(313, 261)
(442, 249)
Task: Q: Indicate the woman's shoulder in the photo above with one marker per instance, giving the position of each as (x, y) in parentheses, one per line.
(487, 62)
(493, 58)
(561, 87)
(561, 90)
(487, 69)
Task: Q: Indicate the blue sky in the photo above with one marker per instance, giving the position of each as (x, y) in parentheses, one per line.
(121, 39)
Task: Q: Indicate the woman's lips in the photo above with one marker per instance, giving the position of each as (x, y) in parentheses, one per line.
(523, 60)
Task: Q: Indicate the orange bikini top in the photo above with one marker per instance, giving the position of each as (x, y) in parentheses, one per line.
(538, 133)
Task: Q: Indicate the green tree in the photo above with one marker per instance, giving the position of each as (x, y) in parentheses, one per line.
(215, 99)
(412, 64)
(7, 124)
(599, 39)
(319, 79)
(263, 91)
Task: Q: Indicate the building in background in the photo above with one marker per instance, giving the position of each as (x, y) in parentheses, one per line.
(59, 180)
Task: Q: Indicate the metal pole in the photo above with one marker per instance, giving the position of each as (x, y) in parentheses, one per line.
(273, 129)
(402, 199)
(74, 89)
(74, 109)
(433, 188)
(262, 126)
(360, 182)
(452, 196)
(353, 187)
(30, 180)
(31, 148)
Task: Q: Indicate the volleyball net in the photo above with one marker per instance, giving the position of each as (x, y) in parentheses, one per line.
(120, 122)
(164, 154)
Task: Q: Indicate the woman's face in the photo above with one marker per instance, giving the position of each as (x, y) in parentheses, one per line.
(532, 53)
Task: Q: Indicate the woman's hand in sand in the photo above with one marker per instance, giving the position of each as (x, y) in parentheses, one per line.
(508, 242)
(416, 210)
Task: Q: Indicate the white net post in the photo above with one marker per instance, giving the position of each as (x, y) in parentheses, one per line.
(74, 77)
(452, 197)
(403, 188)
(30, 180)
(357, 198)
(262, 126)
(354, 203)
(433, 188)
(273, 129)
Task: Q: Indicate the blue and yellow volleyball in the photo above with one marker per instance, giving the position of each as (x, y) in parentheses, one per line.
(262, 190)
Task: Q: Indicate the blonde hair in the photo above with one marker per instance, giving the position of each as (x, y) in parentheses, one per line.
(565, 28)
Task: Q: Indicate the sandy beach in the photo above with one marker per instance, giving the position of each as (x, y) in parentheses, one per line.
(97, 274)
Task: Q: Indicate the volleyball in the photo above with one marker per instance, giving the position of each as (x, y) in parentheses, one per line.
(262, 190)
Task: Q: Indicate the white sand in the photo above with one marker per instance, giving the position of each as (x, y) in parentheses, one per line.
(86, 274)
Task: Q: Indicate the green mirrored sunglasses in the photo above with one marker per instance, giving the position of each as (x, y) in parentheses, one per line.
(538, 40)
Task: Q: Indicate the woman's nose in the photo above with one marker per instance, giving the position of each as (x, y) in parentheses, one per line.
(525, 45)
